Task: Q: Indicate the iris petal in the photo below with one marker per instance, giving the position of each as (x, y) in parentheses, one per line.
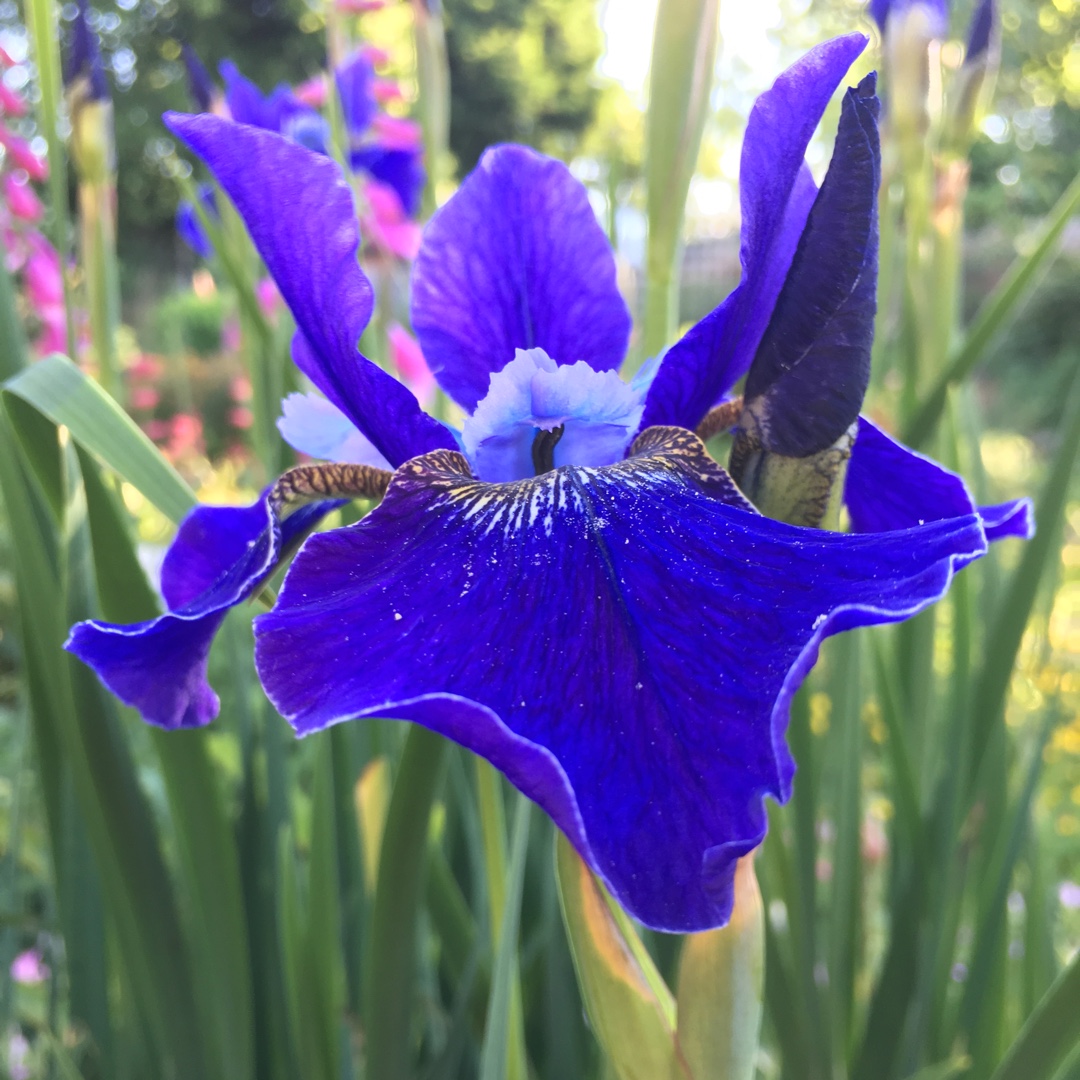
(597, 412)
(221, 556)
(400, 170)
(515, 260)
(776, 192)
(624, 642)
(889, 486)
(316, 427)
(811, 370)
(299, 210)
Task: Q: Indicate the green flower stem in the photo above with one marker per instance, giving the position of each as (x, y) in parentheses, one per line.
(392, 954)
(433, 78)
(493, 828)
(13, 347)
(97, 225)
(45, 32)
(680, 79)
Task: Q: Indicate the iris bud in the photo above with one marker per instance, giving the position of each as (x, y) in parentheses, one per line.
(809, 376)
(89, 104)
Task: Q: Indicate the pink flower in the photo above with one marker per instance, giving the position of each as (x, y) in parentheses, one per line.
(158, 430)
(21, 198)
(241, 417)
(269, 297)
(146, 367)
(378, 57)
(396, 133)
(10, 102)
(313, 92)
(240, 388)
(52, 337)
(385, 225)
(386, 90)
(20, 153)
(18, 1054)
(144, 397)
(185, 435)
(409, 361)
(29, 969)
(5, 58)
(43, 275)
(358, 7)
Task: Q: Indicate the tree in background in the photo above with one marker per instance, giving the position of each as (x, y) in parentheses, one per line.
(521, 70)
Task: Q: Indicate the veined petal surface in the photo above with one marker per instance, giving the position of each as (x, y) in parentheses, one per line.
(515, 260)
(623, 642)
(221, 556)
(776, 192)
(299, 211)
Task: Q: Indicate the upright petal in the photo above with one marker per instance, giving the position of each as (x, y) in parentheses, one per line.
(515, 260)
(355, 81)
(221, 556)
(245, 101)
(623, 642)
(776, 193)
(299, 211)
(810, 373)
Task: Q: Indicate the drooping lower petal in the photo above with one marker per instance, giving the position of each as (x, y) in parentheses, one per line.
(299, 211)
(889, 486)
(623, 642)
(515, 260)
(776, 192)
(221, 556)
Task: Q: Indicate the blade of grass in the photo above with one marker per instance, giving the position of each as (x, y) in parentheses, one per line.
(388, 995)
(496, 1060)
(1050, 1033)
(56, 388)
(1003, 640)
(1002, 302)
(680, 80)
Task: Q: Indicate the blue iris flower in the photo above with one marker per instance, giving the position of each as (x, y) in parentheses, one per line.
(570, 586)
(83, 61)
(936, 15)
(281, 111)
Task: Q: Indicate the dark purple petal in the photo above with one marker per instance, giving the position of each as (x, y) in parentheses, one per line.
(221, 556)
(200, 85)
(401, 170)
(624, 642)
(299, 211)
(84, 57)
(886, 12)
(809, 376)
(515, 260)
(776, 192)
(355, 80)
(890, 487)
(983, 25)
(190, 227)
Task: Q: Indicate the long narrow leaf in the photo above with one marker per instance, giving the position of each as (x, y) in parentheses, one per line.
(56, 388)
(996, 309)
